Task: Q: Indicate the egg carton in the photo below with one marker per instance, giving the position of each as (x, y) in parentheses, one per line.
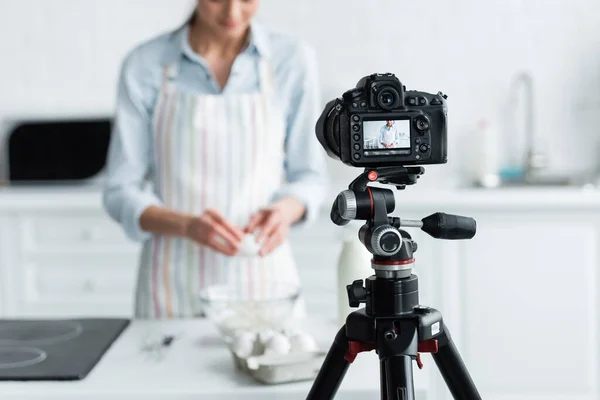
(274, 369)
(277, 356)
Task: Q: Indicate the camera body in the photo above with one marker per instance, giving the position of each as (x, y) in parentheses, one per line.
(379, 123)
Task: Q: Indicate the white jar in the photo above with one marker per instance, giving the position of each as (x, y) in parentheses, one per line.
(354, 262)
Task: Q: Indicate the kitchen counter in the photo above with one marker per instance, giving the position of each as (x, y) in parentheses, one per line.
(197, 366)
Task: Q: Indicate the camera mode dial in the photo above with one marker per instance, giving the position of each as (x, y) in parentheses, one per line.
(386, 241)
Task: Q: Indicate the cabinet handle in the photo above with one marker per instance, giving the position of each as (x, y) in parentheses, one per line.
(89, 286)
(86, 235)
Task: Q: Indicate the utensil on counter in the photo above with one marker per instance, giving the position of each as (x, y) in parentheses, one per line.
(155, 346)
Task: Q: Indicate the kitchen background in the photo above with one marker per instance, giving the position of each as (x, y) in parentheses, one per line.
(62, 57)
(61, 256)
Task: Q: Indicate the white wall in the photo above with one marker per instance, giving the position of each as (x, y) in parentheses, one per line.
(62, 57)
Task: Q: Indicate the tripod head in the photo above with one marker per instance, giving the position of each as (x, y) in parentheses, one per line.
(384, 237)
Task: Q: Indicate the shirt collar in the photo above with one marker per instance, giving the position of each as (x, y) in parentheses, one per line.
(257, 42)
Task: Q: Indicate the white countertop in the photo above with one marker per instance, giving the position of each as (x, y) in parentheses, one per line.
(413, 197)
(197, 366)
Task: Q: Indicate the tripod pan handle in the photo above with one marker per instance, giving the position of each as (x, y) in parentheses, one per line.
(448, 226)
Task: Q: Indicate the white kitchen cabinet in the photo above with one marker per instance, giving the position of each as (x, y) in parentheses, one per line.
(4, 262)
(521, 298)
(528, 298)
(63, 257)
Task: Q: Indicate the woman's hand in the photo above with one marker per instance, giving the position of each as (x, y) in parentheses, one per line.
(212, 230)
(274, 223)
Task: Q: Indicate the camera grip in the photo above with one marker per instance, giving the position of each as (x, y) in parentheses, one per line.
(448, 226)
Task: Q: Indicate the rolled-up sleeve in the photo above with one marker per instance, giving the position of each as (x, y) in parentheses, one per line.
(130, 153)
(305, 159)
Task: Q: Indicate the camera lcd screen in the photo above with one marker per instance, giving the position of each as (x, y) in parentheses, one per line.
(394, 134)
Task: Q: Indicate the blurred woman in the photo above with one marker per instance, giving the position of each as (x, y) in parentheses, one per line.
(218, 116)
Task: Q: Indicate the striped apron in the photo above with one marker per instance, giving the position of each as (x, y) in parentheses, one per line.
(223, 152)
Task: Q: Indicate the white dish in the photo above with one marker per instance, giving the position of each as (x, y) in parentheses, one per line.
(234, 311)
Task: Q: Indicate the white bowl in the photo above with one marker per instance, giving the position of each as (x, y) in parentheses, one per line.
(234, 311)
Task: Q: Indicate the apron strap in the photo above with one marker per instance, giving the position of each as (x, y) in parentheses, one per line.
(265, 77)
(170, 72)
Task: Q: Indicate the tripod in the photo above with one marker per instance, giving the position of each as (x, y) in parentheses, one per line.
(392, 321)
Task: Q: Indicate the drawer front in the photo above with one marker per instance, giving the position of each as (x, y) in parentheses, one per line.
(76, 285)
(56, 309)
(80, 278)
(71, 230)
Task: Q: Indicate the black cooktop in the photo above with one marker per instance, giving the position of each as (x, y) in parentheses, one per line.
(51, 349)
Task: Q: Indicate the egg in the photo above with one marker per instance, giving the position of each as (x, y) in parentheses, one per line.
(243, 344)
(277, 344)
(302, 342)
(291, 331)
(248, 246)
(265, 335)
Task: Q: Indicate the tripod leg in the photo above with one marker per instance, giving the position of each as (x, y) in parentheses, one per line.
(332, 371)
(383, 380)
(398, 374)
(453, 369)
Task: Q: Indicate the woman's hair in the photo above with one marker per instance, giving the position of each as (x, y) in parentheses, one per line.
(192, 17)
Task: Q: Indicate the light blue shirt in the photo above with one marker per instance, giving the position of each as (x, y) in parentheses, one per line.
(130, 160)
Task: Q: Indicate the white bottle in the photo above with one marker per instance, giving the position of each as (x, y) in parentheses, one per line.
(354, 262)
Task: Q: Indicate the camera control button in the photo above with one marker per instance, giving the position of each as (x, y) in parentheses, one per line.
(435, 101)
(424, 147)
(422, 309)
(417, 140)
(411, 101)
(356, 137)
(356, 146)
(356, 128)
(363, 103)
(356, 156)
(355, 118)
(355, 105)
(422, 101)
(422, 123)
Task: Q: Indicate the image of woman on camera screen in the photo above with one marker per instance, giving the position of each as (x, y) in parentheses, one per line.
(219, 75)
(388, 138)
(391, 137)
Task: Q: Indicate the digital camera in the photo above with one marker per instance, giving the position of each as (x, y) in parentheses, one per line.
(379, 124)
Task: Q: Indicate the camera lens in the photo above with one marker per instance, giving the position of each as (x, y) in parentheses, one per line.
(422, 123)
(387, 98)
(328, 130)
